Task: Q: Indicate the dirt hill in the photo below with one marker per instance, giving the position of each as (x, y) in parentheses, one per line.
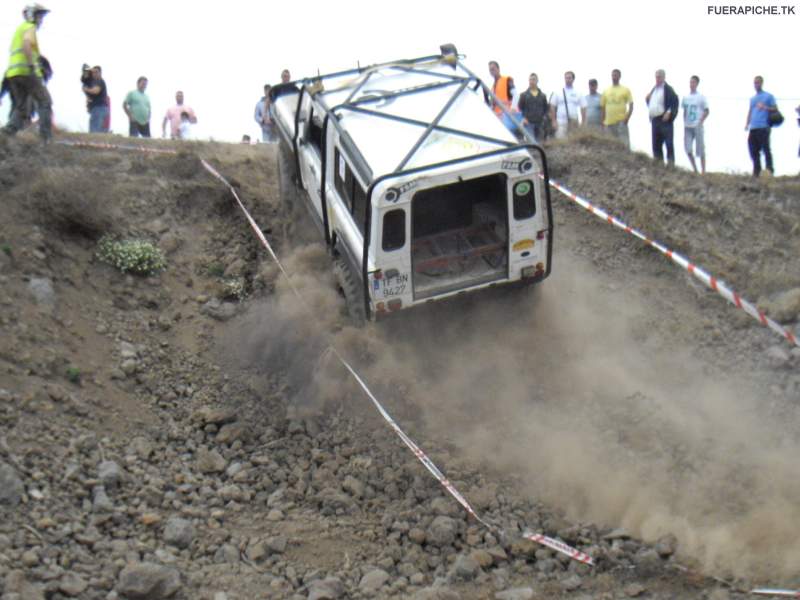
(185, 435)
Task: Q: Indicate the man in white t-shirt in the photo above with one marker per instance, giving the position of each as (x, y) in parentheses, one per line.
(567, 105)
(695, 112)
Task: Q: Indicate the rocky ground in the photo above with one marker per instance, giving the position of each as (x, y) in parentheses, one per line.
(155, 440)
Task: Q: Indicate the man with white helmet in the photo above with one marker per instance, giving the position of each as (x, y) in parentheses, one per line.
(24, 75)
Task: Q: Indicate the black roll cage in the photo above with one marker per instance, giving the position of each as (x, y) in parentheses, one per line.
(313, 87)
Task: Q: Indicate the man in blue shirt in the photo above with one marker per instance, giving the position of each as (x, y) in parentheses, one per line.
(761, 105)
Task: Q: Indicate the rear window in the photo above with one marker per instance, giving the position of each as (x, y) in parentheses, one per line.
(524, 200)
(394, 229)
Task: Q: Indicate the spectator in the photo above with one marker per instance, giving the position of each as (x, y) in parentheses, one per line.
(757, 122)
(185, 128)
(96, 100)
(263, 117)
(695, 112)
(503, 89)
(25, 76)
(175, 117)
(137, 106)
(797, 110)
(566, 107)
(284, 87)
(591, 113)
(616, 106)
(662, 102)
(534, 108)
(245, 139)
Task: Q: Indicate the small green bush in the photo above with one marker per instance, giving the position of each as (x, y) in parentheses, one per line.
(6, 248)
(73, 374)
(132, 256)
(215, 269)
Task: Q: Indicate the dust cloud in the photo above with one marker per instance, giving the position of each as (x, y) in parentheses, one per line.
(558, 385)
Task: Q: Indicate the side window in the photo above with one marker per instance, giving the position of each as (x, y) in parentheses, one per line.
(359, 205)
(524, 200)
(394, 229)
(339, 170)
(348, 187)
(314, 132)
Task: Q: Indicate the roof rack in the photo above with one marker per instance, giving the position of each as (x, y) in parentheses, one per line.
(461, 81)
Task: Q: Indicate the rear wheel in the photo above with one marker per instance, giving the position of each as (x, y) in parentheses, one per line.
(351, 290)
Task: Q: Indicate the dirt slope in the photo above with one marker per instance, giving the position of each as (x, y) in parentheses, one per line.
(183, 435)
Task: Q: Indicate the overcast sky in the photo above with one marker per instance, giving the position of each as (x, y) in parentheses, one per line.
(221, 55)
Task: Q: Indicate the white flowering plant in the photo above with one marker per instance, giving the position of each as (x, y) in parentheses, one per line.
(234, 288)
(132, 256)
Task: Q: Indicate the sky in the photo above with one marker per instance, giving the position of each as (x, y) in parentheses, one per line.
(221, 55)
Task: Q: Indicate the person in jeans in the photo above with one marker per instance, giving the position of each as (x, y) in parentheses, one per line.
(662, 101)
(695, 112)
(591, 113)
(533, 106)
(96, 100)
(503, 89)
(757, 122)
(263, 116)
(616, 106)
(137, 107)
(26, 77)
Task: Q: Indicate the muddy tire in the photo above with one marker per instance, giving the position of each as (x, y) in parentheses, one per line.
(351, 290)
(287, 180)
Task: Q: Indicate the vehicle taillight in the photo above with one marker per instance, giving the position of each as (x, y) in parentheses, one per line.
(541, 235)
(395, 304)
(380, 307)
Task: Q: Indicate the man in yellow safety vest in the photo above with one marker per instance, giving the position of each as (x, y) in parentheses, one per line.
(24, 76)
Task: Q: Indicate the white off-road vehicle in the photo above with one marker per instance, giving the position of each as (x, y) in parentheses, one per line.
(418, 188)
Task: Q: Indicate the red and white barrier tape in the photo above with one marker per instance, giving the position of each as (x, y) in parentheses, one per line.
(710, 281)
(773, 592)
(104, 146)
(418, 452)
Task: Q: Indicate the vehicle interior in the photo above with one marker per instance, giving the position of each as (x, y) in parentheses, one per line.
(459, 235)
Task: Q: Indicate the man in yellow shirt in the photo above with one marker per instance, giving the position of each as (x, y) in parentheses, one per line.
(24, 75)
(616, 107)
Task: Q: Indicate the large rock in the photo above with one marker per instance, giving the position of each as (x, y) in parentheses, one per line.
(42, 291)
(221, 311)
(11, 486)
(442, 531)
(148, 581)
(373, 581)
(436, 593)
(329, 588)
(215, 416)
(72, 584)
(465, 568)
(179, 532)
(524, 593)
(210, 461)
(109, 473)
(353, 486)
